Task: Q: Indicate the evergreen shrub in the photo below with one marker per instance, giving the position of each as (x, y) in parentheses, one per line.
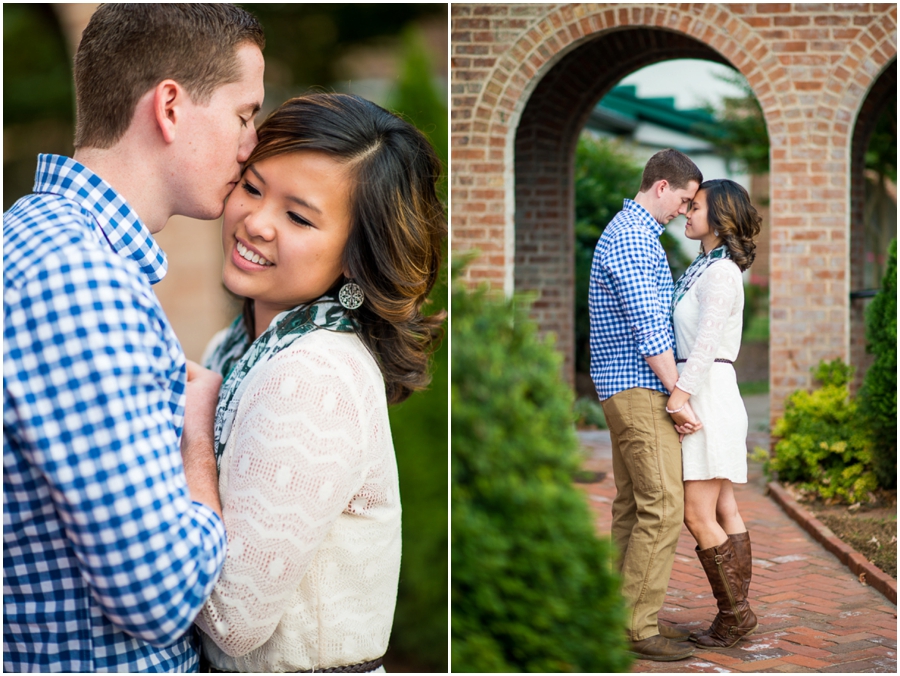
(589, 412)
(532, 588)
(878, 397)
(823, 444)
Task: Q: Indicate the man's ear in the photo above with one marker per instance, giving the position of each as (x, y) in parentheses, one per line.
(168, 97)
(661, 185)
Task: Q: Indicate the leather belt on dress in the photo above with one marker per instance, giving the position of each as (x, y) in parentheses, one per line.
(361, 668)
(721, 361)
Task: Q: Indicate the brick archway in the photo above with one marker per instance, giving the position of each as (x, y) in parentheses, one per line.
(545, 142)
(809, 66)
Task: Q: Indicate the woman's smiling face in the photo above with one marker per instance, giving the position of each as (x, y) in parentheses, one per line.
(285, 228)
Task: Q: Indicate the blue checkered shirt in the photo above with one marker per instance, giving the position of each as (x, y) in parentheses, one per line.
(106, 560)
(630, 292)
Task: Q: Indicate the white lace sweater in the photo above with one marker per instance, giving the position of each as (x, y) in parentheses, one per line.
(310, 496)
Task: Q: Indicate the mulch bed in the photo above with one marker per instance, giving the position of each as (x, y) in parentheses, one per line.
(876, 539)
(871, 529)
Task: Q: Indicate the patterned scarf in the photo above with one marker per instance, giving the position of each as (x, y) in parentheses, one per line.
(234, 359)
(694, 271)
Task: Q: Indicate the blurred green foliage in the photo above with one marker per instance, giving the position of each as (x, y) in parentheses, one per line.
(755, 319)
(878, 397)
(37, 80)
(419, 425)
(589, 413)
(304, 41)
(605, 174)
(824, 444)
(38, 94)
(532, 588)
(420, 103)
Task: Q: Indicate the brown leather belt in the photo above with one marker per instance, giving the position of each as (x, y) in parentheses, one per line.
(361, 668)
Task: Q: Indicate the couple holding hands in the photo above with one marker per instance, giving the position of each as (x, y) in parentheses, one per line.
(661, 360)
(124, 464)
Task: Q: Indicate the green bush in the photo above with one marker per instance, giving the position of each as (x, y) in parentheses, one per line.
(589, 412)
(823, 444)
(532, 587)
(878, 397)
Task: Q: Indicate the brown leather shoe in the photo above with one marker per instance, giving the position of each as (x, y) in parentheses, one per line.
(660, 649)
(673, 633)
(726, 573)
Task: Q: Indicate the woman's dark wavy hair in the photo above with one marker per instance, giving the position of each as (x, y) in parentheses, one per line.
(737, 221)
(397, 222)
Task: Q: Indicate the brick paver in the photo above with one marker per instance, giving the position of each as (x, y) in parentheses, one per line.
(814, 614)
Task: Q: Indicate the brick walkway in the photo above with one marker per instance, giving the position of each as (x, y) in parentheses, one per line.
(814, 614)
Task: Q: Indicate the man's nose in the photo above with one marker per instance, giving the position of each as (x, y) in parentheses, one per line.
(248, 143)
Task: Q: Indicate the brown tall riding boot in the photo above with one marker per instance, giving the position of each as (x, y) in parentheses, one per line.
(726, 574)
(744, 555)
(741, 543)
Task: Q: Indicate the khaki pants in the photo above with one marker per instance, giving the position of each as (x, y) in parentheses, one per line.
(649, 506)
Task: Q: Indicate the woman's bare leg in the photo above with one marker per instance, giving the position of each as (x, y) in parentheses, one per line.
(727, 514)
(700, 501)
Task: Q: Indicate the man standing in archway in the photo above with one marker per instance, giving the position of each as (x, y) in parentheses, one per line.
(633, 369)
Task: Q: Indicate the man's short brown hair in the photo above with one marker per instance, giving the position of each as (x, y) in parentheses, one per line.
(127, 49)
(672, 166)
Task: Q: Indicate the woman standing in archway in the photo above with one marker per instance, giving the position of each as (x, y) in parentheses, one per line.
(707, 309)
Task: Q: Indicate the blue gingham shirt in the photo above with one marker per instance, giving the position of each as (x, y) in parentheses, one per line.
(630, 292)
(106, 560)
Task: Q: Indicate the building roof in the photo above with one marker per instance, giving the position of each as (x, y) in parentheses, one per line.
(621, 110)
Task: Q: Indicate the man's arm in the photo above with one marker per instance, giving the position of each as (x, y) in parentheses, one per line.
(98, 422)
(663, 366)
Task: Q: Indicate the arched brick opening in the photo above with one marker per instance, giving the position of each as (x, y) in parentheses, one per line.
(810, 67)
(545, 145)
(883, 91)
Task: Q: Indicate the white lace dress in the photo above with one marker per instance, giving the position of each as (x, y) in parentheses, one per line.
(708, 327)
(310, 496)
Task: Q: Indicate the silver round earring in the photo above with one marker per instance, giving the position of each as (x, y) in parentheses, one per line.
(351, 296)
(716, 233)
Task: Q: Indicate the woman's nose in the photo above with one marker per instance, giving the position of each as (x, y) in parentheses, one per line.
(258, 224)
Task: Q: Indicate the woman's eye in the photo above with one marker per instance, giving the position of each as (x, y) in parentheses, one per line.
(250, 189)
(244, 122)
(299, 220)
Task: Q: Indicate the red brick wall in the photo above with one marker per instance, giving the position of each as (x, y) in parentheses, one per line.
(524, 77)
